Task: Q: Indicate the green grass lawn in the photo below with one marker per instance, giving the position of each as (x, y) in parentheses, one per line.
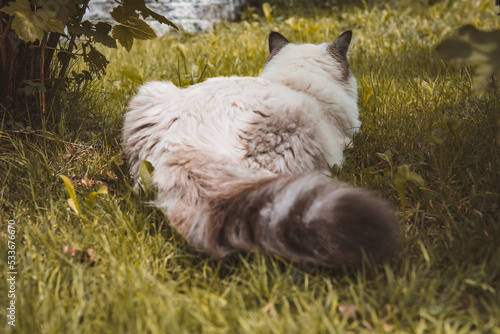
(119, 267)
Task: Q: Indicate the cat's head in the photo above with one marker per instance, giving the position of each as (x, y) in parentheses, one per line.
(302, 65)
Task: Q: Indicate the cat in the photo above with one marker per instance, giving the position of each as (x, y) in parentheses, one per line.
(240, 162)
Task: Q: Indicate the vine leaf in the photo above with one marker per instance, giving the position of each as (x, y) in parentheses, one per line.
(95, 60)
(120, 33)
(99, 32)
(46, 20)
(140, 6)
(32, 25)
(129, 28)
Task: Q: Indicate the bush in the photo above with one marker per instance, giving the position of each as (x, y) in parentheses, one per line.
(36, 32)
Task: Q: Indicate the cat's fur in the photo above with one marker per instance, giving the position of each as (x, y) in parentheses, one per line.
(239, 161)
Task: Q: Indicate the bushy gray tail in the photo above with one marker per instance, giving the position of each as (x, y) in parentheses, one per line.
(303, 218)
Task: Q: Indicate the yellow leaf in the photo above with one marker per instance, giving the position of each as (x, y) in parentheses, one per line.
(74, 205)
(266, 8)
(103, 190)
(145, 172)
(73, 200)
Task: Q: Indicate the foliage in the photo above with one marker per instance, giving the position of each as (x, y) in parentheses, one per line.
(474, 47)
(51, 28)
(141, 277)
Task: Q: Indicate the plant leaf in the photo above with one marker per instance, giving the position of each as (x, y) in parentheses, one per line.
(74, 205)
(73, 200)
(400, 183)
(101, 35)
(403, 175)
(132, 76)
(90, 200)
(266, 8)
(17, 7)
(140, 6)
(92, 197)
(95, 60)
(121, 34)
(386, 156)
(145, 172)
(23, 23)
(416, 179)
(47, 21)
(131, 28)
(102, 190)
(100, 32)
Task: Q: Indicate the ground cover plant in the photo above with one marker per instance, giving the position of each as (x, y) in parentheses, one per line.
(428, 143)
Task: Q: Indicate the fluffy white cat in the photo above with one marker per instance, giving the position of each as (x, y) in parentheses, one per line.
(240, 161)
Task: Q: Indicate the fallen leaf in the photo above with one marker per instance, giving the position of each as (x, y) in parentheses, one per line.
(86, 256)
(388, 327)
(466, 302)
(348, 311)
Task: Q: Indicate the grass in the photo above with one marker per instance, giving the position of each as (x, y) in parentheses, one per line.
(119, 267)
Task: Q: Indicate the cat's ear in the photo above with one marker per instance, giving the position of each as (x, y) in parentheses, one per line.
(341, 44)
(276, 42)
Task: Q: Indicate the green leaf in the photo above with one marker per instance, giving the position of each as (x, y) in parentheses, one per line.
(99, 32)
(66, 11)
(64, 57)
(102, 36)
(145, 172)
(122, 13)
(73, 200)
(103, 27)
(386, 156)
(130, 28)
(102, 190)
(47, 21)
(416, 179)
(74, 205)
(25, 29)
(32, 25)
(121, 34)
(95, 60)
(17, 7)
(161, 19)
(132, 76)
(403, 175)
(23, 22)
(400, 183)
(140, 5)
(92, 197)
(90, 200)
(31, 88)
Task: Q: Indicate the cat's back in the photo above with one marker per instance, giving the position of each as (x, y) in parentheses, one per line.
(217, 95)
(208, 116)
(217, 105)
